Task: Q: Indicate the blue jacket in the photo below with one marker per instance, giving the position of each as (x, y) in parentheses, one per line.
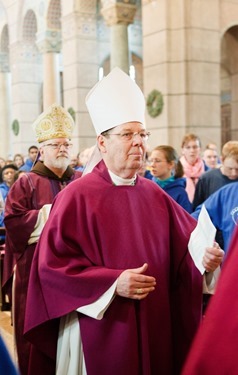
(176, 189)
(4, 189)
(6, 363)
(27, 166)
(222, 207)
(148, 175)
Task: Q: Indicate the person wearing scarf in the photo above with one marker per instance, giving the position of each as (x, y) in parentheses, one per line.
(193, 164)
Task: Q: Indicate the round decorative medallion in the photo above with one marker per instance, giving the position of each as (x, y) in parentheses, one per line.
(155, 103)
(72, 112)
(16, 127)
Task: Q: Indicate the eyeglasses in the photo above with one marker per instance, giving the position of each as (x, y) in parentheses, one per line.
(128, 136)
(191, 147)
(57, 146)
(151, 161)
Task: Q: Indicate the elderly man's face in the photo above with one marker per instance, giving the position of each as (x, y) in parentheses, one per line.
(123, 148)
(55, 153)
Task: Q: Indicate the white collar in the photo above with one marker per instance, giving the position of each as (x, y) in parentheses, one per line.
(121, 181)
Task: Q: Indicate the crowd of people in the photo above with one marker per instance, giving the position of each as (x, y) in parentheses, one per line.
(98, 241)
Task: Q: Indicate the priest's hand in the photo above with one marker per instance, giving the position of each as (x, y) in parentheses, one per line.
(132, 283)
(213, 257)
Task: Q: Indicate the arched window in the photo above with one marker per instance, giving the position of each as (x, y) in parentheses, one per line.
(29, 27)
(5, 40)
(54, 15)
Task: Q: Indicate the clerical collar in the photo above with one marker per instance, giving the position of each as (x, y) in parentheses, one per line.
(122, 181)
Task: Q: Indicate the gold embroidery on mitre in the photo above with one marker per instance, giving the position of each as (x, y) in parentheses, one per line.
(55, 122)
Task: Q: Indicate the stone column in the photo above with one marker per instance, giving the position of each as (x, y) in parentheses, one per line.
(26, 83)
(118, 15)
(80, 59)
(5, 107)
(49, 44)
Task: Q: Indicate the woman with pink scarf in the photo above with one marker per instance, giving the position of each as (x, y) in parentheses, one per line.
(193, 164)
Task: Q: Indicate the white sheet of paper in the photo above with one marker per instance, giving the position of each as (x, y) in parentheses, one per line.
(202, 236)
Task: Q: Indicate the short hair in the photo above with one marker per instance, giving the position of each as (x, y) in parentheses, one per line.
(32, 148)
(171, 155)
(230, 150)
(8, 166)
(190, 137)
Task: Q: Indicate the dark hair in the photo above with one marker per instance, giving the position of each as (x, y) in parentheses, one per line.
(8, 166)
(171, 155)
(32, 148)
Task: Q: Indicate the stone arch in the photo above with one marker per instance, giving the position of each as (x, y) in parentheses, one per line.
(229, 84)
(54, 15)
(29, 27)
(4, 43)
(4, 49)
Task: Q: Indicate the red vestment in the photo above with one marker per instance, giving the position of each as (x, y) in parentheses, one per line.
(26, 197)
(95, 231)
(215, 346)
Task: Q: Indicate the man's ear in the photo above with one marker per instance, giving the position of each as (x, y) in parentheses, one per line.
(101, 139)
(41, 151)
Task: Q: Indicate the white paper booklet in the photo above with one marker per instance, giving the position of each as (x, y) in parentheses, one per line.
(203, 236)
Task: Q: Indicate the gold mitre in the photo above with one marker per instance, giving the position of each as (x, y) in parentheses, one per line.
(55, 122)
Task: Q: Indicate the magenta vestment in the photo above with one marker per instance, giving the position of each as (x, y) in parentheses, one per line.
(214, 350)
(26, 197)
(95, 231)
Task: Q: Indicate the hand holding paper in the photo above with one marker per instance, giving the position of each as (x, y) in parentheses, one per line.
(202, 237)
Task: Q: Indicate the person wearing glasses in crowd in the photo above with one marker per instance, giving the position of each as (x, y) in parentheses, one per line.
(192, 162)
(112, 263)
(28, 205)
(167, 172)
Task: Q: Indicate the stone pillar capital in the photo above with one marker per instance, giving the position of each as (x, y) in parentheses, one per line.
(118, 12)
(49, 41)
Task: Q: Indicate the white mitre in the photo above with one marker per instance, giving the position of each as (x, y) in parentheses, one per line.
(115, 100)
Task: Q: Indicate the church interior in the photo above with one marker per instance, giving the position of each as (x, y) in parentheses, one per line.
(182, 54)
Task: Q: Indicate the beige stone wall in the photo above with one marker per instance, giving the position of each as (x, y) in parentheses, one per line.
(181, 59)
(185, 49)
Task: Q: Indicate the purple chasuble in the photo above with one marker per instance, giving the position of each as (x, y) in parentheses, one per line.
(95, 231)
(214, 349)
